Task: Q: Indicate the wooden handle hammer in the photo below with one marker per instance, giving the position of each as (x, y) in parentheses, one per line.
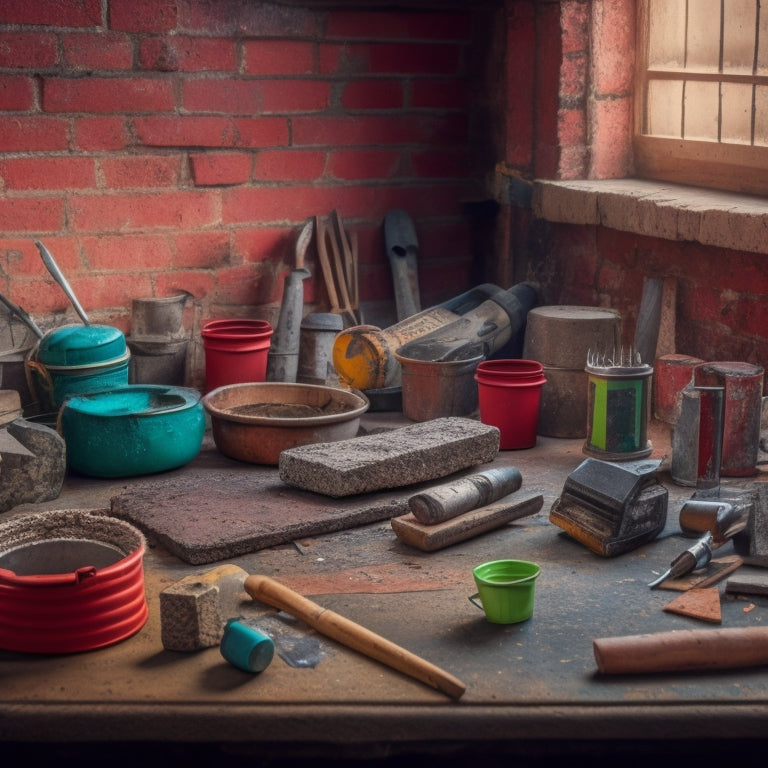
(352, 635)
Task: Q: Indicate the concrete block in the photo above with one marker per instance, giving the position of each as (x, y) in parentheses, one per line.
(412, 454)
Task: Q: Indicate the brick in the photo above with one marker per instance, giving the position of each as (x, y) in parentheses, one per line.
(202, 250)
(143, 15)
(105, 50)
(211, 131)
(279, 57)
(101, 133)
(265, 244)
(372, 94)
(404, 456)
(17, 94)
(354, 164)
(574, 18)
(127, 212)
(383, 130)
(220, 168)
(39, 214)
(141, 171)
(295, 96)
(32, 134)
(109, 254)
(283, 165)
(102, 94)
(49, 173)
(58, 13)
(30, 50)
(247, 19)
(188, 54)
(613, 34)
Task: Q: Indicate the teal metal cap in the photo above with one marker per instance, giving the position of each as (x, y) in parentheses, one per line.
(246, 648)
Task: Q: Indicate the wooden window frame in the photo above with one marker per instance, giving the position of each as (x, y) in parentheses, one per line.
(733, 167)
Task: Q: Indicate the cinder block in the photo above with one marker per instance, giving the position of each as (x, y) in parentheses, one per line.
(412, 454)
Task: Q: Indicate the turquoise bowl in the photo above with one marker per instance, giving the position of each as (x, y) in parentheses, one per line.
(137, 429)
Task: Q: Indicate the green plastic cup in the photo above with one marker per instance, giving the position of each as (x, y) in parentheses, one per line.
(505, 590)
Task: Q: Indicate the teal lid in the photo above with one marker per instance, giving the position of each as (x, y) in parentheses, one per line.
(75, 345)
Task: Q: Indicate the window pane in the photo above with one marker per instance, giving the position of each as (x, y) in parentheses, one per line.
(736, 126)
(739, 36)
(664, 112)
(701, 111)
(761, 115)
(666, 41)
(703, 35)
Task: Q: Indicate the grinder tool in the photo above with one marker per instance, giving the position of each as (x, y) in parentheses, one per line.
(612, 508)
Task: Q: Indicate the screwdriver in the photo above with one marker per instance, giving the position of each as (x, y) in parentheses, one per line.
(696, 556)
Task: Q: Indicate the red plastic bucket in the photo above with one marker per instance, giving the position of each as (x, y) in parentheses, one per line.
(235, 351)
(509, 396)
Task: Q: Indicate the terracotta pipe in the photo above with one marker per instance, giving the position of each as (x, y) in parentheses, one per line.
(682, 651)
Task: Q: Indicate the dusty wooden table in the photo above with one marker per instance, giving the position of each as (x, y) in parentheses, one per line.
(531, 685)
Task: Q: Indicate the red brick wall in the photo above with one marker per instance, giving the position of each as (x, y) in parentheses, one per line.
(157, 146)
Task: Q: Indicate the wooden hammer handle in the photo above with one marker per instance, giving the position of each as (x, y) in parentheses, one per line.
(352, 635)
(682, 650)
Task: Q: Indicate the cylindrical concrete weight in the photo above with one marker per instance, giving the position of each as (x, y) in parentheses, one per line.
(672, 373)
(561, 336)
(743, 383)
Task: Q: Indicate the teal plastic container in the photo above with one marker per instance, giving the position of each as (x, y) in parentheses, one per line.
(137, 429)
(78, 359)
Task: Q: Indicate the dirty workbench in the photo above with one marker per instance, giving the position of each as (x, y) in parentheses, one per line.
(531, 688)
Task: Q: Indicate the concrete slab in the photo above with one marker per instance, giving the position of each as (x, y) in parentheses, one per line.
(415, 453)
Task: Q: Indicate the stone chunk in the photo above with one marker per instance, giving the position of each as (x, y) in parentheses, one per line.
(412, 454)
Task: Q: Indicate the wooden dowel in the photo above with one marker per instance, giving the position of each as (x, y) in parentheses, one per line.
(352, 635)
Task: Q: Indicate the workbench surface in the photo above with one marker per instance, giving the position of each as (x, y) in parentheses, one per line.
(531, 682)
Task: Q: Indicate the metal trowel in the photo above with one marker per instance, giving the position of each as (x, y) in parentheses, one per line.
(283, 355)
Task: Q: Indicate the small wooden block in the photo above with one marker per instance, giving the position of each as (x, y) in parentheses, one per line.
(466, 526)
(698, 603)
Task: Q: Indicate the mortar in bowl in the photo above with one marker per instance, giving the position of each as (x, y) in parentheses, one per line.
(255, 422)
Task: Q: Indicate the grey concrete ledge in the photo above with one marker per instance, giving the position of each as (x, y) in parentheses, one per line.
(656, 209)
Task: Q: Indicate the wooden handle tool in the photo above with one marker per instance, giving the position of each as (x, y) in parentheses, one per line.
(352, 635)
(682, 650)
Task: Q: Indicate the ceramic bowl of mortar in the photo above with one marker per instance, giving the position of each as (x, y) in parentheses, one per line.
(255, 422)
